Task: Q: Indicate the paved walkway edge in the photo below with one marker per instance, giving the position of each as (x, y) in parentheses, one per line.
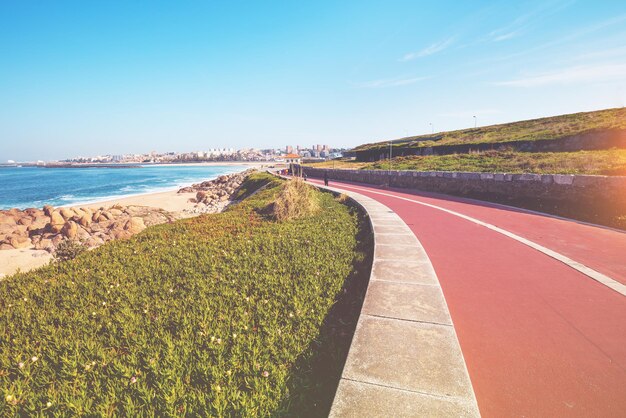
(405, 358)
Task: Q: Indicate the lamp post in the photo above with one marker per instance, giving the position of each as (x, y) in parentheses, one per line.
(474, 122)
(432, 128)
(390, 150)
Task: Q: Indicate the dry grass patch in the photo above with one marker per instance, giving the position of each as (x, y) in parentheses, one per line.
(296, 200)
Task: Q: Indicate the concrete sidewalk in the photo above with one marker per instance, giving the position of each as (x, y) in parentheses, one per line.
(405, 359)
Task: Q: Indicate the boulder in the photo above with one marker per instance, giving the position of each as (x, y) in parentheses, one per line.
(135, 225)
(201, 196)
(94, 241)
(56, 222)
(6, 246)
(85, 220)
(47, 210)
(82, 234)
(67, 213)
(116, 212)
(21, 230)
(56, 240)
(120, 233)
(25, 220)
(33, 212)
(70, 229)
(19, 241)
(44, 244)
(6, 219)
(96, 215)
(7, 229)
(39, 222)
(78, 213)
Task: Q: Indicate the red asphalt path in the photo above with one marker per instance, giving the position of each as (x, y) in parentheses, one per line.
(540, 339)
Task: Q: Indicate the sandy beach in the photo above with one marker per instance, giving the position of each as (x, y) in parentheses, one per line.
(24, 259)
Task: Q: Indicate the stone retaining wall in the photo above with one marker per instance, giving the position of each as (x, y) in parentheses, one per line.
(598, 199)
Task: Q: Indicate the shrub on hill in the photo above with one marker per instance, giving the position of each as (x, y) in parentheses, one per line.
(296, 200)
(207, 316)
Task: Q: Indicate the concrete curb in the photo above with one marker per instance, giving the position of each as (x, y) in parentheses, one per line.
(405, 358)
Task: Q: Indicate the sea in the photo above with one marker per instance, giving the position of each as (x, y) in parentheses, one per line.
(34, 187)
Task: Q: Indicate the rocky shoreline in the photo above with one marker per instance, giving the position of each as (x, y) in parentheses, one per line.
(44, 229)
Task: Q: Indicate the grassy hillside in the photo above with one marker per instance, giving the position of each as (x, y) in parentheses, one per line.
(609, 163)
(220, 315)
(532, 130)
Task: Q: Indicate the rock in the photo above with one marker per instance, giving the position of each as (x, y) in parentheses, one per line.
(25, 220)
(82, 234)
(224, 198)
(56, 240)
(135, 225)
(5, 246)
(116, 212)
(94, 241)
(85, 220)
(33, 212)
(96, 215)
(7, 220)
(7, 229)
(47, 210)
(201, 196)
(70, 229)
(56, 222)
(107, 215)
(18, 241)
(44, 244)
(78, 213)
(39, 222)
(67, 213)
(119, 233)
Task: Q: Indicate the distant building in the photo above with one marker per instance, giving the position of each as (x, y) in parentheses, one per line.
(289, 149)
(293, 159)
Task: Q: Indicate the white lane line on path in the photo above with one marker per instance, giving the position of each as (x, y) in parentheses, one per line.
(587, 271)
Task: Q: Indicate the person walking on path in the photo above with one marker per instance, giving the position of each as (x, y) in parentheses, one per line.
(325, 178)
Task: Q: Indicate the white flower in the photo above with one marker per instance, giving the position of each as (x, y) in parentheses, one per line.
(20, 365)
(34, 358)
(49, 404)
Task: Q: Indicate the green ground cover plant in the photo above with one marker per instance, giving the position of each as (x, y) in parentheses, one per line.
(607, 162)
(528, 130)
(219, 315)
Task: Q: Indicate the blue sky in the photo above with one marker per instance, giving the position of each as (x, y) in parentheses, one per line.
(98, 77)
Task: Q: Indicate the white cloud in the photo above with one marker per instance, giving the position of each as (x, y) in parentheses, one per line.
(505, 36)
(390, 82)
(429, 50)
(525, 22)
(577, 74)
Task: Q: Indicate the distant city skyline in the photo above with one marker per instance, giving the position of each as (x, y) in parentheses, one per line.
(93, 78)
